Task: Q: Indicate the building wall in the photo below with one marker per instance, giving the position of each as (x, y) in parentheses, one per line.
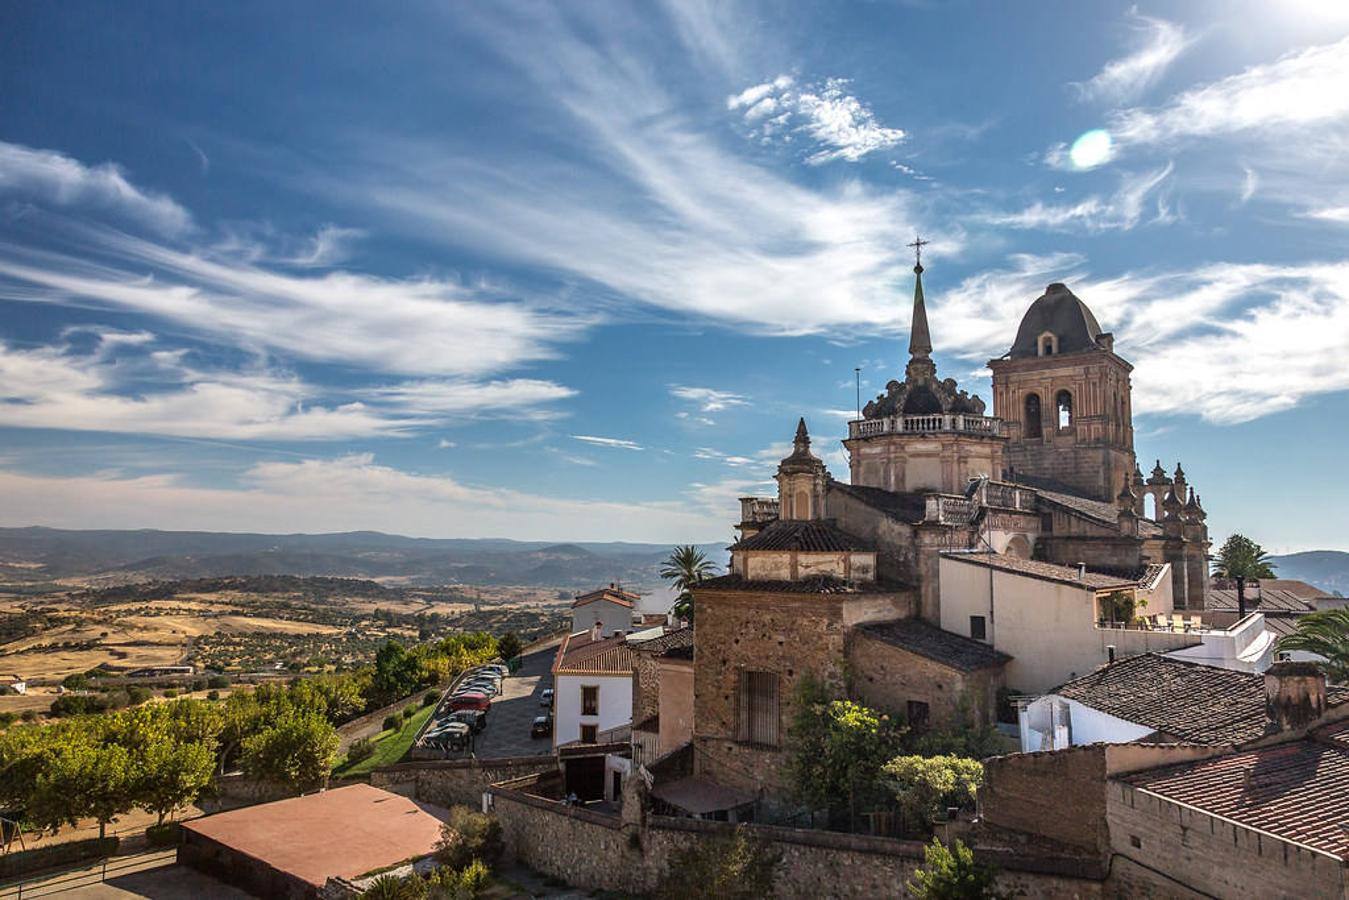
(893, 539)
(1212, 855)
(456, 781)
(645, 686)
(1045, 717)
(1049, 629)
(615, 704)
(676, 703)
(792, 565)
(887, 677)
(942, 462)
(613, 617)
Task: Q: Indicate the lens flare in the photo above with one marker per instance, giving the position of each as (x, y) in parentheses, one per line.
(1091, 149)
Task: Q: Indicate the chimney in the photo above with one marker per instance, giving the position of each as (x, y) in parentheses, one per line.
(1110, 652)
(1295, 695)
(595, 631)
(1081, 571)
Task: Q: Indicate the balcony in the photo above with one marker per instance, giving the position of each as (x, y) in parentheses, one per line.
(758, 509)
(940, 423)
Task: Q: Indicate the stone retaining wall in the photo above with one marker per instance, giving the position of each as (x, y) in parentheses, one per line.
(456, 781)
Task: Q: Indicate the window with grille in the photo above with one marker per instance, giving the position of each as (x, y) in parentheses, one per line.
(590, 700)
(589, 734)
(757, 712)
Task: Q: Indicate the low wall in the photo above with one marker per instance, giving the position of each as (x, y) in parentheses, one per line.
(594, 851)
(52, 856)
(446, 782)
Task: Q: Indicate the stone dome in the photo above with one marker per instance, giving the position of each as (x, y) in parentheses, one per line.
(1059, 312)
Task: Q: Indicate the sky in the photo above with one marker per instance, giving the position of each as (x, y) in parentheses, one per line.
(572, 271)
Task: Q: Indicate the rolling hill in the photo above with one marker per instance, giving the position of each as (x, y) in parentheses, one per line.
(1327, 569)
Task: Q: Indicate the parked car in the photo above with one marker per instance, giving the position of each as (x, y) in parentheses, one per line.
(542, 727)
(483, 687)
(498, 668)
(473, 718)
(546, 698)
(472, 700)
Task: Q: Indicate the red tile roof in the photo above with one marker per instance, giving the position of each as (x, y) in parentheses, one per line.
(612, 594)
(816, 536)
(1033, 568)
(578, 654)
(1298, 791)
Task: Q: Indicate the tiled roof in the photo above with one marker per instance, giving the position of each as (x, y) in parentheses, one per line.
(816, 584)
(905, 507)
(1265, 600)
(1096, 510)
(1187, 700)
(1291, 585)
(611, 594)
(1033, 568)
(663, 644)
(579, 654)
(1298, 791)
(952, 650)
(814, 535)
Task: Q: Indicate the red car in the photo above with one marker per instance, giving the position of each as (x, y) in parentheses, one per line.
(471, 700)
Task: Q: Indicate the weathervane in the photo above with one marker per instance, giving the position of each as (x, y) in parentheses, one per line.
(918, 245)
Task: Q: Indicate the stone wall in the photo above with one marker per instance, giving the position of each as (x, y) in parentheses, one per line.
(887, 677)
(1058, 795)
(456, 781)
(592, 851)
(645, 686)
(1169, 841)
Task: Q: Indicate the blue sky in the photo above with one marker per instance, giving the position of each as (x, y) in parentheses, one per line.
(572, 271)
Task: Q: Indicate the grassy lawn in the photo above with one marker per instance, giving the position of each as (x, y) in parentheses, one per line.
(390, 746)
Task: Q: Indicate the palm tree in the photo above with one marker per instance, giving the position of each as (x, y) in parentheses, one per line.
(1325, 633)
(683, 568)
(1242, 559)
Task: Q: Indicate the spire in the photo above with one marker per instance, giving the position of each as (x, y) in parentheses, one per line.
(920, 340)
(802, 439)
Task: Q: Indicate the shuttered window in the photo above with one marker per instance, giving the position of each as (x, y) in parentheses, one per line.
(757, 711)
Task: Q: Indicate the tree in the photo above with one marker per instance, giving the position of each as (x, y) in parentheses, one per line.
(684, 568)
(469, 835)
(836, 749)
(170, 774)
(397, 673)
(924, 786)
(952, 875)
(1325, 633)
(1242, 559)
(737, 866)
(509, 645)
(83, 778)
(297, 750)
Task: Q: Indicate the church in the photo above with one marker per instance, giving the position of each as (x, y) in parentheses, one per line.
(968, 554)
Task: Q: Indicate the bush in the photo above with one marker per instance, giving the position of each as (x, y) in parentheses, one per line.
(7, 719)
(463, 884)
(392, 722)
(170, 693)
(408, 712)
(926, 786)
(198, 684)
(167, 835)
(138, 694)
(392, 887)
(28, 715)
(218, 681)
(360, 749)
(467, 836)
(212, 696)
(430, 699)
(77, 682)
(952, 875)
(737, 867)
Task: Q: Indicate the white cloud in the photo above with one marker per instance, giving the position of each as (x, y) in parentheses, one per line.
(1304, 88)
(350, 493)
(1159, 43)
(1337, 214)
(708, 400)
(1121, 211)
(618, 443)
(57, 179)
(441, 397)
(841, 126)
(1250, 182)
(330, 245)
(446, 444)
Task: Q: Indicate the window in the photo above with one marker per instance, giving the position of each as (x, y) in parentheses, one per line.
(802, 510)
(1032, 418)
(1064, 403)
(917, 712)
(589, 734)
(757, 714)
(1048, 344)
(590, 700)
(978, 631)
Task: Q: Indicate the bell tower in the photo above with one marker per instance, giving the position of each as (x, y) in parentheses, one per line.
(1066, 400)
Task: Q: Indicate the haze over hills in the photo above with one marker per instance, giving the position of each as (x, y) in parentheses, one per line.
(1327, 569)
(35, 555)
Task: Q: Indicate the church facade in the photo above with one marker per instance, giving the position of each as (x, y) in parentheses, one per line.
(842, 582)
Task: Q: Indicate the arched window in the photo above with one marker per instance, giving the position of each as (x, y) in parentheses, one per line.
(802, 504)
(1032, 419)
(1150, 507)
(1048, 344)
(1064, 403)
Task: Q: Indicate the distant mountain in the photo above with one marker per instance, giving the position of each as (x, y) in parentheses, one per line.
(1327, 569)
(37, 555)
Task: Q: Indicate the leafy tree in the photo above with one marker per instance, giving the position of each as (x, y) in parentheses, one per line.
(171, 774)
(952, 875)
(458, 884)
(397, 673)
(1242, 559)
(926, 785)
(297, 750)
(737, 866)
(468, 835)
(684, 568)
(394, 887)
(509, 645)
(836, 751)
(83, 778)
(1325, 633)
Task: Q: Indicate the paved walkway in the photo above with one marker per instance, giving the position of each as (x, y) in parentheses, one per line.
(154, 875)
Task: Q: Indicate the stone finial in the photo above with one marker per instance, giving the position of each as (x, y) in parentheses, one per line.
(1180, 473)
(802, 439)
(1158, 476)
(1126, 497)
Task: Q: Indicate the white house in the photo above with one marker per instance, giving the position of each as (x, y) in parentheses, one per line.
(592, 687)
(611, 607)
(13, 684)
(1153, 697)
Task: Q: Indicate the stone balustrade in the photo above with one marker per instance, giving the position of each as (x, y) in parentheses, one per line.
(758, 509)
(937, 423)
(948, 509)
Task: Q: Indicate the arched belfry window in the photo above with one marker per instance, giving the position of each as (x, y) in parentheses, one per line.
(1064, 404)
(1033, 427)
(1048, 344)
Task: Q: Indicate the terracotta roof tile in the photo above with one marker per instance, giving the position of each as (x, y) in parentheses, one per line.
(810, 535)
(817, 584)
(579, 654)
(611, 594)
(952, 650)
(1047, 571)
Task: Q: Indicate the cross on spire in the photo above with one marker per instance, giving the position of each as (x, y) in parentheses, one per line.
(918, 244)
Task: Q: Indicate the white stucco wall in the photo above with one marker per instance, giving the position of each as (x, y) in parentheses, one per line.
(615, 706)
(1045, 716)
(613, 617)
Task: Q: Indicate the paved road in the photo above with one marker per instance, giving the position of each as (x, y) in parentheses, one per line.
(513, 711)
(152, 875)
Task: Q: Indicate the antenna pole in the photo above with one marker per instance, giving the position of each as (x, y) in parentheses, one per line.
(857, 372)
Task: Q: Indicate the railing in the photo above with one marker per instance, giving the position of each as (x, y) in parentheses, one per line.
(87, 875)
(961, 423)
(948, 510)
(758, 509)
(1008, 496)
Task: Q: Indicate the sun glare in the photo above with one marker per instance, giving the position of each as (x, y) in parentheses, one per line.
(1091, 149)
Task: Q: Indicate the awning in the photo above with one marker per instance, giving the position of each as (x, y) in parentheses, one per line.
(699, 796)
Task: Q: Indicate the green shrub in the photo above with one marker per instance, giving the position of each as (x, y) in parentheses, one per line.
(392, 887)
(737, 866)
(952, 875)
(430, 699)
(360, 749)
(212, 696)
(408, 712)
(77, 682)
(393, 722)
(467, 836)
(218, 681)
(167, 835)
(170, 693)
(28, 715)
(461, 884)
(927, 785)
(198, 684)
(138, 694)
(7, 719)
